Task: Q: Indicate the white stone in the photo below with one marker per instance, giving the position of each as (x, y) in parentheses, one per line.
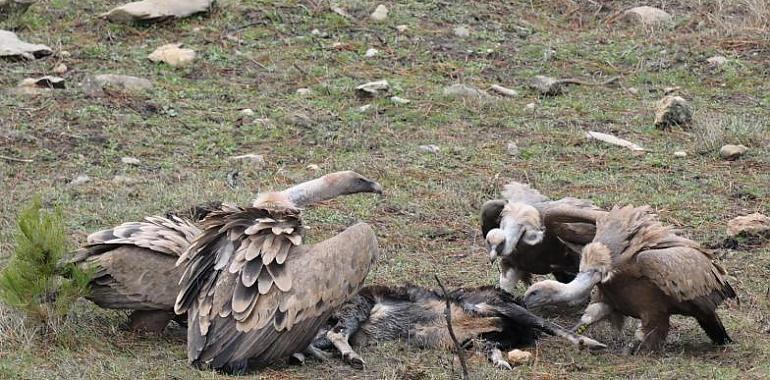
(717, 60)
(247, 112)
(402, 28)
(680, 154)
(512, 149)
(380, 13)
(314, 167)
(255, 158)
(157, 10)
(173, 55)
(430, 148)
(519, 357)
(752, 224)
(364, 108)
(131, 161)
(648, 15)
(530, 107)
(12, 46)
(304, 91)
(373, 88)
(60, 69)
(732, 152)
(461, 31)
(503, 90)
(79, 180)
(372, 52)
(399, 100)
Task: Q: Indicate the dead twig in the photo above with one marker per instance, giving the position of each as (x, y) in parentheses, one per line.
(14, 159)
(448, 315)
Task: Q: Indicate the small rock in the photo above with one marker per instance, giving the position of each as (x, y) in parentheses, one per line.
(614, 140)
(31, 86)
(131, 161)
(380, 13)
(157, 10)
(315, 32)
(519, 357)
(370, 53)
(65, 54)
(399, 100)
(402, 28)
(732, 152)
(124, 180)
(304, 91)
(717, 60)
(314, 167)
(173, 55)
(633, 91)
(373, 88)
(546, 85)
(123, 82)
(60, 69)
(648, 16)
(753, 224)
(672, 110)
(530, 107)
(459, 90)
(79, 180)
(680, 154)
(430, 148)
(461, 31)
(12, 46)
(338, 45)
(255, 158)
(247, 112)
(503, 90)
(512, 149)
(365, 108)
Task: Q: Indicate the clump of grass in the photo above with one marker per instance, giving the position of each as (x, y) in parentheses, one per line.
(712, 131)
(34, 282)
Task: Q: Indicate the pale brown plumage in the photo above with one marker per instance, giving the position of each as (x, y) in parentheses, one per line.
(254, 294)
(525, 230)
(645, 270)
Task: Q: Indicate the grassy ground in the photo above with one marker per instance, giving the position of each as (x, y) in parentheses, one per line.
(255, 54)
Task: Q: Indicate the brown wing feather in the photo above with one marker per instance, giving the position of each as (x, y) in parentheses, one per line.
(300, 292)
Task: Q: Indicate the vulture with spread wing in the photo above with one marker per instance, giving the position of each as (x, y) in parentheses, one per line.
(644, 270)
(135, 263)
(526, 242)
(253, 293)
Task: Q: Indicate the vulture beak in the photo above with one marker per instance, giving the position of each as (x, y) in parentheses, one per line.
(492, 254)
(377, 188)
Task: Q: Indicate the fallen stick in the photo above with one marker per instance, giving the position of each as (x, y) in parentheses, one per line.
(448, 315)
(610, 139)
(14, 159)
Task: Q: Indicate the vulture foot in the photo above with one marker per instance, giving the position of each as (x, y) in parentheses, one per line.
(297, 358)
(149, 320)
(318, 353)
(354, 360)
(496, 357)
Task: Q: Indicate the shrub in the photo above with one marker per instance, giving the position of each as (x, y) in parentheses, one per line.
(34, 281)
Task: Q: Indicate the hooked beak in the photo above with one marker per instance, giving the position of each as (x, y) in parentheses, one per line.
(377, 188)
(492, 254)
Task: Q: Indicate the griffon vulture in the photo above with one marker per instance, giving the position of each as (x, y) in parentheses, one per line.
(526, 242)
(135, 263)
(644, 270)
(253, 293)
(487, 317)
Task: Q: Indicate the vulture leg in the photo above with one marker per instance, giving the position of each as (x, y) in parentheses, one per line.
(149, 320)
(651, 334)
(510, 277)
(492, 351)
(595, 312)
(349, 320)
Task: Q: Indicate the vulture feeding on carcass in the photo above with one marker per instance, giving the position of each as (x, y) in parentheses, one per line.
(526, 242)
(253, 293)
(489, 318)
(645, 270)
(135, 263)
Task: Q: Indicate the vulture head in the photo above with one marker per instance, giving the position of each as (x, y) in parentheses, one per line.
(519, 224)
(595, 264)
(330, 186)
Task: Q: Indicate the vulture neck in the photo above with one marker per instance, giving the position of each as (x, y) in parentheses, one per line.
(320, 189)
(579, 289)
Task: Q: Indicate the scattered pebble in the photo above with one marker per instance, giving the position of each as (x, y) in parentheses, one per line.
(304, 91)
(519, 357)
(752, 224)
(373, 88)
(430, 148)
(65, 54)
(154, 10)
(633, 91)
(717, 60)
(530, 107)
(380, 13)
(648, 16)
(60, 69)
(80, 180)
(173, 55)
(247, 112)
(399, 100)
(461, 31)
(314, 167)
(315, 32)
(546, 85)
(402, 28)
(255, 158)
(12, 46)
(31, 86)
(732, 152)
(365, 108)
(672, 110)
(372, 52)
(680, 154)
(131, 161)
(459, 90)
(125, 82)
(503, 90)
(512, 149)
